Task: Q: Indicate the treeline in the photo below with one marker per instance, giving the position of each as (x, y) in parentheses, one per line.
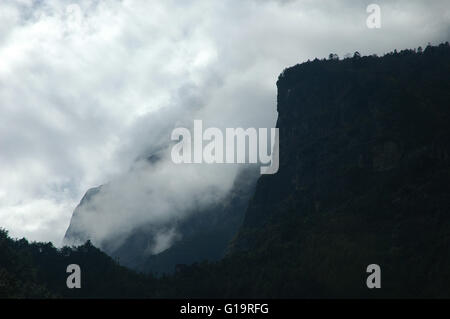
(38, 270)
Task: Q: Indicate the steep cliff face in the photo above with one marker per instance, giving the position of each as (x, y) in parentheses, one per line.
(364, 175)
(352, 127)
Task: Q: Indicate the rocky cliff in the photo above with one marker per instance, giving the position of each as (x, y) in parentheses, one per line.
(364, 177)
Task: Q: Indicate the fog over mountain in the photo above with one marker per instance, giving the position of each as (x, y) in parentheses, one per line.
(89, 89)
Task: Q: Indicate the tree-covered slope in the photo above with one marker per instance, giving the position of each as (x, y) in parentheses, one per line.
(38, 270)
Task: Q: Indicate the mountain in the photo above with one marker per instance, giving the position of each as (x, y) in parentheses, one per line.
(203, 235)
(364, 139)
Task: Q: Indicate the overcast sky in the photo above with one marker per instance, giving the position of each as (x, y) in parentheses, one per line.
(87, 86)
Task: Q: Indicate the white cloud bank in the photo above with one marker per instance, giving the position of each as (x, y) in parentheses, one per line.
(86, 87)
